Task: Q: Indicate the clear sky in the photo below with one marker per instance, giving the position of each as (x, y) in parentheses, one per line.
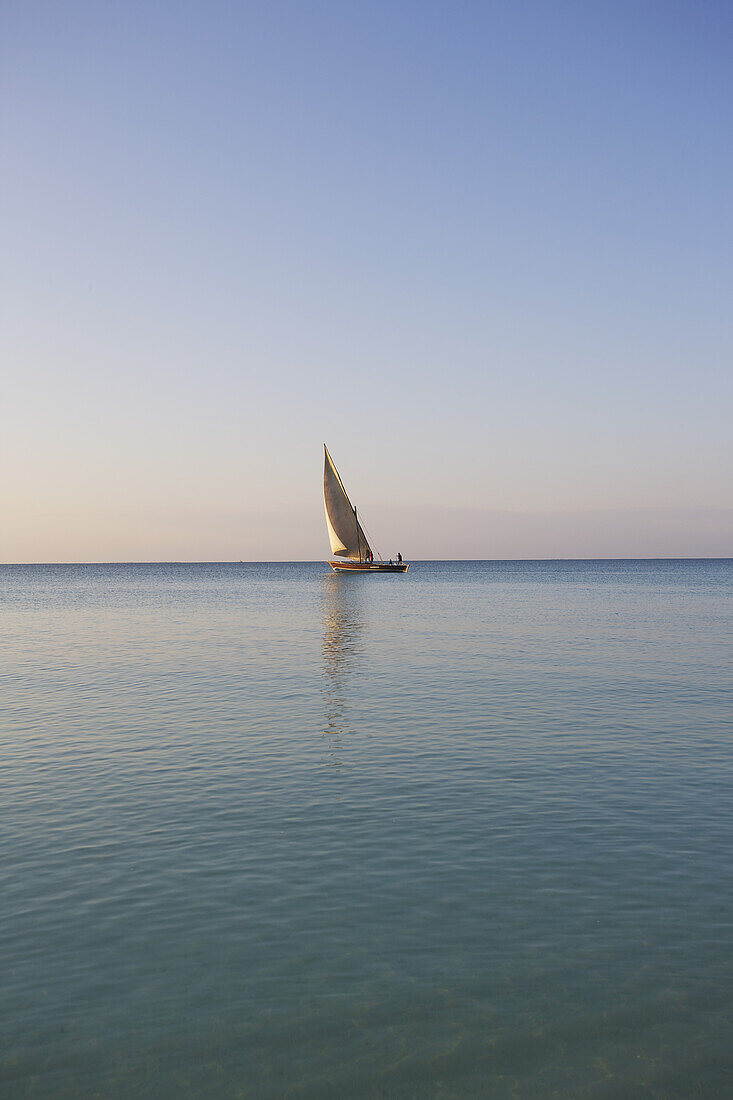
(483, 250)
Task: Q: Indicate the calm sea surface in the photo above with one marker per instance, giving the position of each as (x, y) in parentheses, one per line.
(270, 832)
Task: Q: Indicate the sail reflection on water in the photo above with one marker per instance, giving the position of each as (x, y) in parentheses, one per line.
(343, 645)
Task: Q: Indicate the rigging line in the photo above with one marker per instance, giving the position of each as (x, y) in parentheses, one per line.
(368, 534)
(358, 536)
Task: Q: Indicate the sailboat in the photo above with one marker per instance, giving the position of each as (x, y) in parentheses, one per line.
(346, 533)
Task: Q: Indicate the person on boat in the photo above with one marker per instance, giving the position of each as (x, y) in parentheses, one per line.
(399, 559)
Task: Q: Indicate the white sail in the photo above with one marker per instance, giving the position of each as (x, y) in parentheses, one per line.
(344, 530)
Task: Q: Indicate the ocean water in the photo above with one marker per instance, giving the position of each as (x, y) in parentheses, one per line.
(271, 832)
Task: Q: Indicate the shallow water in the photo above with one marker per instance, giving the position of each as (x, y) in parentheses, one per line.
(273, 832)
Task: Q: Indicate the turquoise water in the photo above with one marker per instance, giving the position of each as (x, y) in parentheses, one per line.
(272, 832)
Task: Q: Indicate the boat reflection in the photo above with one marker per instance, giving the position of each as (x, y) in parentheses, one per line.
(343, 644)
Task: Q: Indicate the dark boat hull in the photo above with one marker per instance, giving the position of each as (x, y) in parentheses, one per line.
(368, 567)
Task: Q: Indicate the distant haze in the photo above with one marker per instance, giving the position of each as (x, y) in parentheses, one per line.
(484, 251)
(436, 533)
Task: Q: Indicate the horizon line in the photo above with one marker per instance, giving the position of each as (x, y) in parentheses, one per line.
(318, 561)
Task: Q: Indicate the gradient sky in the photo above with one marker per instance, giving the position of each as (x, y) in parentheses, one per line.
(484, 250)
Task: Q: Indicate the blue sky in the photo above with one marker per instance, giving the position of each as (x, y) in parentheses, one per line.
(481, 249)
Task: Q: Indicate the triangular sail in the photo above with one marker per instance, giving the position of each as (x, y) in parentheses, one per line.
(344, 530)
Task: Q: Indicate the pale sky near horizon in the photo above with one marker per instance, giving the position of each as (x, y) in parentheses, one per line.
(483, 250)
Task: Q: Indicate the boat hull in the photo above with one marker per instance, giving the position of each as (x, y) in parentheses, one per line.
(368, 567)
